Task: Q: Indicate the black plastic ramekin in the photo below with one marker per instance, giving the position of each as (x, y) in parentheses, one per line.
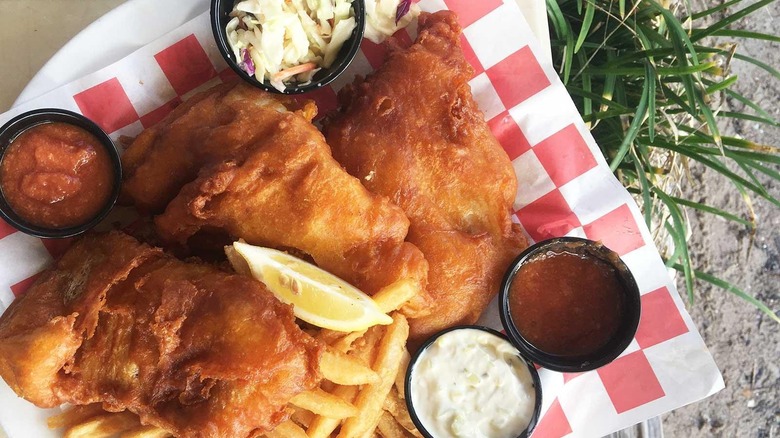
(16, 126)
(410, 374)
(220, 16)
(619, 341)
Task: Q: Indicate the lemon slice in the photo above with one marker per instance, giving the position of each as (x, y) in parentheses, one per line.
(318, 297)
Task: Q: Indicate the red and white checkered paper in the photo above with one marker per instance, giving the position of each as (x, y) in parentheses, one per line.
(564, 188)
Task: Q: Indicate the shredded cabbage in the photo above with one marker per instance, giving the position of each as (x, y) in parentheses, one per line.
(386, 17)
(283, 41)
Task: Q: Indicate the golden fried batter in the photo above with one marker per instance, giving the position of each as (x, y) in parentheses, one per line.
(256, 168)
(412, 132)
(191, 349)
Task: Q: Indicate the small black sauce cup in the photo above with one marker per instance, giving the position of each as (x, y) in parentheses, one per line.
(220, 16)
(16, 126)
(629, 318)
(408, 383)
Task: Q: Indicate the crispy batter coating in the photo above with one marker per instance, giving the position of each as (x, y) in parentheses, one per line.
(214, 126)
(258, 170)
(412, 132)
(189, 348)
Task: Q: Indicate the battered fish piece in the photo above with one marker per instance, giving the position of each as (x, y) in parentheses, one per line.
(211, 127)
(253, 166)
(412, 132)
(189, 348)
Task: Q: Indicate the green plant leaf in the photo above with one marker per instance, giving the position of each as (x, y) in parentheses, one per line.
(734, 290)
(762, 65)
(734, 33)
(636, 122)
(747, 102)
(563, 30)
(680, 230)
(712, 210)
(714, 10)
(722, 169)
(647, 203)
(729, 19)
(587, 20)
(714, 87)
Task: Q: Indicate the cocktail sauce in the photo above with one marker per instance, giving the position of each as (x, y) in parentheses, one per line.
(567, 304)
(56, 175)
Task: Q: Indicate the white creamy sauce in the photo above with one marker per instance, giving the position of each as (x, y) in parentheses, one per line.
(471, 383)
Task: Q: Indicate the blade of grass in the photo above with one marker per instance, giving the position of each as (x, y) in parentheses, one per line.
(740, 143)
(636, 122)
(587, 103)
(680, 231)
(678, 244)
(749, 117)
(712, 210)
(723, 170)
(564, 31)
(709, 118)
(651, 110)
(747, 102)
(752, 176)
(661, 71)
(618, 108)
(737, 33)
(714, 87)
(714, 10)
(729, 19)
(765, 170)
(762, 65)
(587, 20)
(732, 289)
(647, 206)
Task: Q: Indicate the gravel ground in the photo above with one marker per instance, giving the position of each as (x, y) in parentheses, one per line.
(744, 342)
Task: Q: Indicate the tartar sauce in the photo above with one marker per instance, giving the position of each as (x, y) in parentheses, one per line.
(472, 383)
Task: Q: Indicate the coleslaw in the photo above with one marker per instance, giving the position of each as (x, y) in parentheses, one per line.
(284, 41)
(386, 17)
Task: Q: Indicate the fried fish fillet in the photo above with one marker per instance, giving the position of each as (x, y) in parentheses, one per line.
(254, 167)
(189, 348)
(411, 131)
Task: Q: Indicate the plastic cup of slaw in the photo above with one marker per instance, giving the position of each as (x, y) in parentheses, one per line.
(220, 17)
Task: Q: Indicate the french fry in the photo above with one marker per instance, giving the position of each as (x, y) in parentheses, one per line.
(302, 417)
(400, 378)
(344, 370)
(371, 398)
(396, 407)
(104, 425)
(389, 428)
(364, 351)
(288, 429)
(322, 426)
(325, 404)
(74, 415)
(339, 340)
(394, 296)
(145, 432)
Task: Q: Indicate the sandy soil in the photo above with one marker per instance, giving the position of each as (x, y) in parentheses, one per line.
(744, 342)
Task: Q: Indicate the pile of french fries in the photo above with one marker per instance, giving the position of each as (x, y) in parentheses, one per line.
(361, 394)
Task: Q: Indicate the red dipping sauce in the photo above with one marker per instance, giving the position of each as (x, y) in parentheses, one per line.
(567, 304)
(56, 175)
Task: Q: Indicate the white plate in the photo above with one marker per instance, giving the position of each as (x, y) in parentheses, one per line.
(100, 44)
(141, 22)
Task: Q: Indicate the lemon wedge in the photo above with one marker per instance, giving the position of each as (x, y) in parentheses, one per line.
(318, 297)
